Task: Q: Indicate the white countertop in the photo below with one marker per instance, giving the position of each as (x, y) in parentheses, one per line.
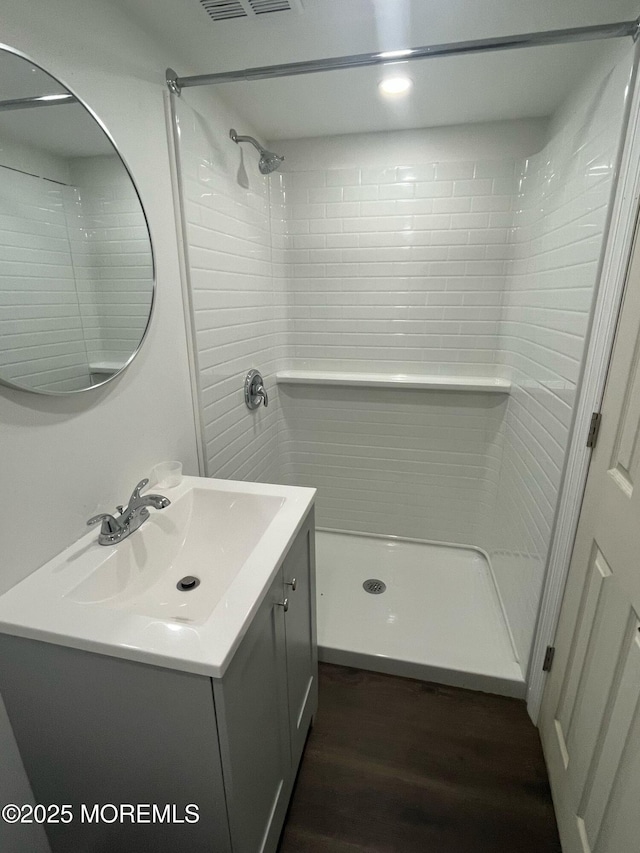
(46, 605)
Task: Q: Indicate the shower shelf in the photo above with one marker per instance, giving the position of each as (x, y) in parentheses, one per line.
(105, 366)
(485, 384)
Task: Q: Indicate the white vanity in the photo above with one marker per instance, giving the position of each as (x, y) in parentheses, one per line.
(123, 688)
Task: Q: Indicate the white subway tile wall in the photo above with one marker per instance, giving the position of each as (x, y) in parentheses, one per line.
(406, 463)
(77, 272)
(559, 220)
(42, 342)
(398, 269)
(238, 310)
(111, 257)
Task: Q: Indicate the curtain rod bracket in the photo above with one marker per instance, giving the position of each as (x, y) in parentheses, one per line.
(172, 82)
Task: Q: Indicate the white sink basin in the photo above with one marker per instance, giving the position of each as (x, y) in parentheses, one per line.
(123, 599)
(205, 533)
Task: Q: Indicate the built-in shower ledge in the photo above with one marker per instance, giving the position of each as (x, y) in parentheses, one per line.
(105, 366)
(485, 384)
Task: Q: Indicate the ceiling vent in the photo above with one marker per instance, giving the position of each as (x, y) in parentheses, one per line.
(228, 10)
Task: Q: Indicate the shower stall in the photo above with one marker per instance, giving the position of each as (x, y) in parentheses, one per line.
(418, 302)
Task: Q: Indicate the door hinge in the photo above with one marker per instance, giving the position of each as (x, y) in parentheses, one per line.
(548, 658)
(594, 429)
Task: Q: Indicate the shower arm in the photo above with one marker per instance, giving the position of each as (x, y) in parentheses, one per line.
(233, 135)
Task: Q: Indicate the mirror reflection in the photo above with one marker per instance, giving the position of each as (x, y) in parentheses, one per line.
(76, 266)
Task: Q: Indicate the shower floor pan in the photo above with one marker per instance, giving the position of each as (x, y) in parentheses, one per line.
(439, 618)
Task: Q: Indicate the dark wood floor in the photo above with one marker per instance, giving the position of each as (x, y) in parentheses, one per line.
(400, 766)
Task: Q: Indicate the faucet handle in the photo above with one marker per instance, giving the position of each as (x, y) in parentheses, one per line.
(109, 523)
(261, 391)
(135, 494)
(140, 487)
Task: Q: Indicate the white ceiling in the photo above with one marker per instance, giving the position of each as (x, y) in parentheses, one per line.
(445, 91)
(503, 85)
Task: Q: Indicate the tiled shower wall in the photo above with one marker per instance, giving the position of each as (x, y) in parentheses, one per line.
(42, 341)
(559, 219)
(399, 268)
(82, 225)
(407, 463)
(111, 257)
(237, 307)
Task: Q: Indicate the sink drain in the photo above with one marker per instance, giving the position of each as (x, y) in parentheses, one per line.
(187, 583)
(374, 586)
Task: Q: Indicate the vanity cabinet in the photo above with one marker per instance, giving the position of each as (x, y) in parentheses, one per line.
(100, 730)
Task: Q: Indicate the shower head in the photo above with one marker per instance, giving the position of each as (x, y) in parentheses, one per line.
(268, 162)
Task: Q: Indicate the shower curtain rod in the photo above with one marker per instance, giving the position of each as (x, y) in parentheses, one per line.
(37, 101)
(361, 60)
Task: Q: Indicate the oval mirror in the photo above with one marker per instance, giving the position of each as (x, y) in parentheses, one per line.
(76, 263)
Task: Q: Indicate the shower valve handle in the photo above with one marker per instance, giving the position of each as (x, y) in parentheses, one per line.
(255, 394)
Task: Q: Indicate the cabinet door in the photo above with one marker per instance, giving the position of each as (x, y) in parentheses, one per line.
(300, 625)
(251, 706)
(94, 729)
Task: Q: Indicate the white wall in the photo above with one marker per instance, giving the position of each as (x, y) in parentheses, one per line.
(63, 459)
(237, 304)
(559, 221)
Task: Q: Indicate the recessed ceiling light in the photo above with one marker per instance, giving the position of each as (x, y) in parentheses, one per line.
(398, 85)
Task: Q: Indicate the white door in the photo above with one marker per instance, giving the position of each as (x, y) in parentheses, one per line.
(590, 720)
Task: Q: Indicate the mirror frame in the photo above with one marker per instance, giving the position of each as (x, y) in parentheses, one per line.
(5, 382)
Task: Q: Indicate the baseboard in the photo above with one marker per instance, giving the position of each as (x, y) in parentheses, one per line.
(425, 672)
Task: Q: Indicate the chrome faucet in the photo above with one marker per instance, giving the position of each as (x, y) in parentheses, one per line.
(113, 529)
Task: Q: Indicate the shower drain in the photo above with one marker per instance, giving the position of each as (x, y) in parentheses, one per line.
(375, 587)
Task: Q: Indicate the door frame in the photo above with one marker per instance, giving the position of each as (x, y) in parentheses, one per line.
(614, 264)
